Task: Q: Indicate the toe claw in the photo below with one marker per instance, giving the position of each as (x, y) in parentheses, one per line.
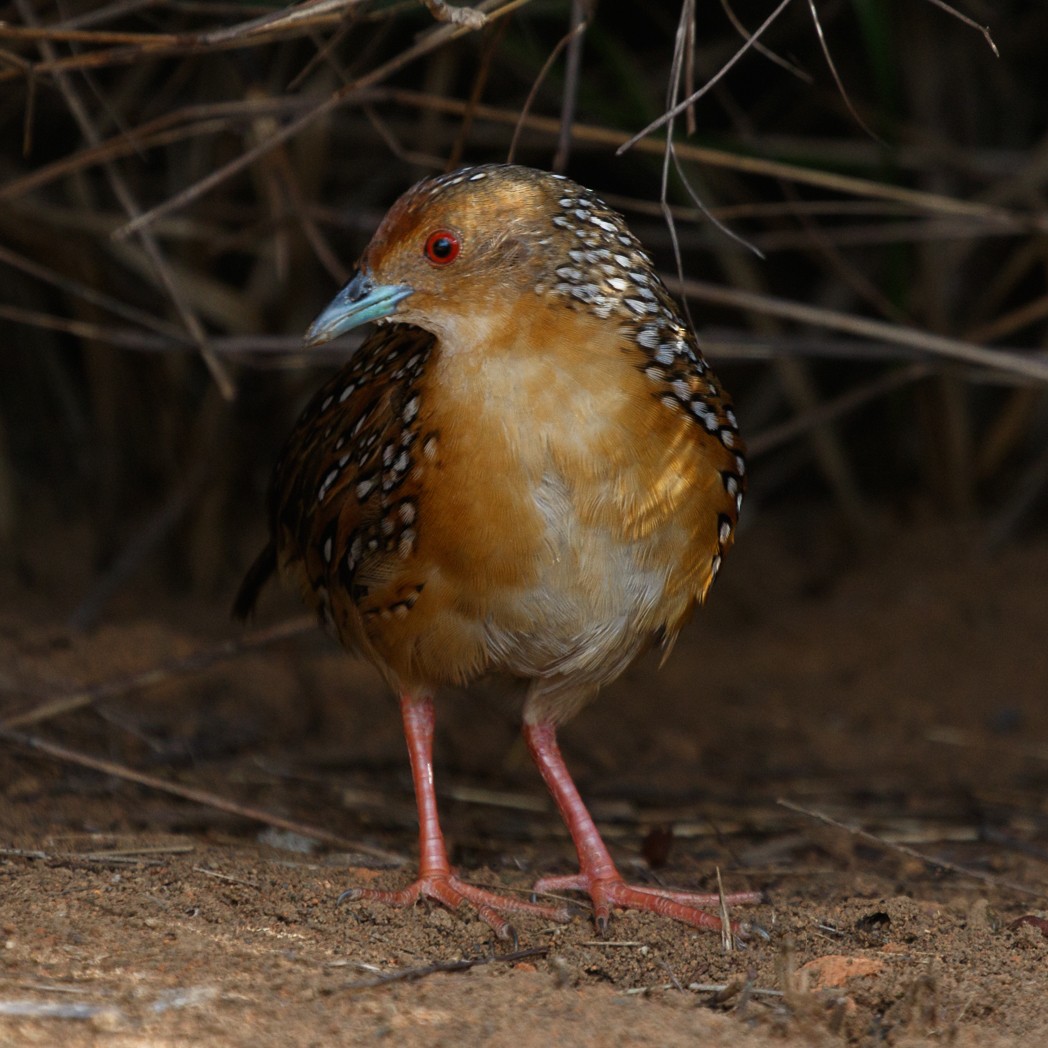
(751, 930)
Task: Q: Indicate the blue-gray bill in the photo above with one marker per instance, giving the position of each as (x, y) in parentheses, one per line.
(359, 302)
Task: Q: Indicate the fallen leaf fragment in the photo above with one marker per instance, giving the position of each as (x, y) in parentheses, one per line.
(835, 969)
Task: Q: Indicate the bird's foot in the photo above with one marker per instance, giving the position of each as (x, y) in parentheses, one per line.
(452, 892)
(608, 892)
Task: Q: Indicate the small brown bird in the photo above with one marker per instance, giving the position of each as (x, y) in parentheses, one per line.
(528, 468)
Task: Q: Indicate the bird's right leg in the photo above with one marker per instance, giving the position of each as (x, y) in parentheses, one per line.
(436, 880)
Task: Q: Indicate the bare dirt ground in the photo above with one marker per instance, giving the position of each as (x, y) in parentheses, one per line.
(901, 689)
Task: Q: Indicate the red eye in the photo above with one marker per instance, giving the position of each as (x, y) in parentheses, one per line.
(442, 247)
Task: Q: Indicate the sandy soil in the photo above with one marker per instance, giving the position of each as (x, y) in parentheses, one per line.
(901, 690)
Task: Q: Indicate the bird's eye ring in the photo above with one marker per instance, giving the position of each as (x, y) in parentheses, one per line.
(442, 247)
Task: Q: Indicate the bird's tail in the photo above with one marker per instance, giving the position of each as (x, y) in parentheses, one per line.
(254, 581)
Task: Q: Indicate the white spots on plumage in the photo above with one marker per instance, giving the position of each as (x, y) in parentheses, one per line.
(705, 414)
(682, 389)
(406, 545)
(724, 532)
(365, 487)
(327, 483)
(648, 337)
(356, 548)
(407, 512)
(477, 176)
(327, 548)
(410, 412)
(585, 292)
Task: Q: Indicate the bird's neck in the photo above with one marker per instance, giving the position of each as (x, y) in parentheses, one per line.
(539, 378)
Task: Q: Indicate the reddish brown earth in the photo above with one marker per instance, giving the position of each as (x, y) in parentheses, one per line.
(901, 689)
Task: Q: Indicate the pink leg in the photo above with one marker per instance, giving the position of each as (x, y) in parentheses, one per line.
(435, 878)
(597, 873)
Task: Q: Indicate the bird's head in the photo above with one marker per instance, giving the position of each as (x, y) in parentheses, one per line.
(448, 250)
(460, 248)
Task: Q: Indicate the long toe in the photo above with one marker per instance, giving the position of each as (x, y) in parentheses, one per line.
(452, 892)
(609, 893)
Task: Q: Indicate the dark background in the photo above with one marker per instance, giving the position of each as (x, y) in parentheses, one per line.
(874, 650)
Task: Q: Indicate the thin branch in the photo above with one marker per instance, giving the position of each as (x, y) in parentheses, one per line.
(1035, 367)
(837, 76)
(430, 42)
(197, 796)
(830, 410)
(522, 118)
(399, 975)
(680, 107)
(581, 13)
(761, 49)
(984, 29)
(123, 194)
(911, 853)
(934, 203)
(442, 11)
(166, 671)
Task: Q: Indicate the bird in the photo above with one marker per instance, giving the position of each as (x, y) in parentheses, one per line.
(527, 469)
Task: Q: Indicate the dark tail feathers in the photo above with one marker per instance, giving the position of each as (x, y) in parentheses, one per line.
(254, 581)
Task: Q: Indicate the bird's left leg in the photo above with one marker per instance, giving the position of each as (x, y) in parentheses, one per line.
(436, 880)
(597, 875)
